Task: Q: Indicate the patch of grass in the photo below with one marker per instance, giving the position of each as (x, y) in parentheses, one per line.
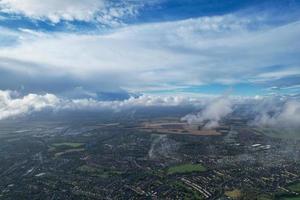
(291, 198)
(279, 133)
(234, 194)
(88, 169)
(265, 197)
(63, 148)
(186, 168)
(295, 187)
(68, 144)
(97, 171)
(68, 151)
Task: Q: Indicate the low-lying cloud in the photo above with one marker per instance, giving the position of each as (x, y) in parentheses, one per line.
(12, 105)
(286, 115)
(263, 112)
(212, 113)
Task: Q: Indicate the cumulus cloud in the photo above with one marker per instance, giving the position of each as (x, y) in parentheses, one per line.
(212, 113)
(142, 101)
(13, 105)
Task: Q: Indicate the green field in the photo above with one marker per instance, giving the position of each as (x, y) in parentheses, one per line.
(65, 147)
(291, 198)
(295, 187)
(279, 133)
(68, 151)
(265, 197)
(68, 144)
(234, 194)
(186, 168)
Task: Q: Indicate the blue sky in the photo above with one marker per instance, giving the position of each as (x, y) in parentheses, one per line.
(76, 48)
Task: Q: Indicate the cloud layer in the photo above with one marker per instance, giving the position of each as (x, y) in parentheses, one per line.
(278, 113)
(12, 105)
(206, 50)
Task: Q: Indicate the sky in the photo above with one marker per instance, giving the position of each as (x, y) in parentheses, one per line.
(118, 49)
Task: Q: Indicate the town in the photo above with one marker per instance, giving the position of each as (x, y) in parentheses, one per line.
(92, 160)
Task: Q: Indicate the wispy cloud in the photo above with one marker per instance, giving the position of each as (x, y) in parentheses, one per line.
(212, 113)
(102, 11)
(276, 114)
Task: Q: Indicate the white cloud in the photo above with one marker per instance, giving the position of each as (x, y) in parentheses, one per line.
(218, 49)
(212, 113)
(286, 115)
(11, 105)
(277, 74)
(103, 11)
(142, 101)
(268, 112)
(54, 10)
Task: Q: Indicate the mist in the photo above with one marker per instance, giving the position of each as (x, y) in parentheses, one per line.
(212, 113)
